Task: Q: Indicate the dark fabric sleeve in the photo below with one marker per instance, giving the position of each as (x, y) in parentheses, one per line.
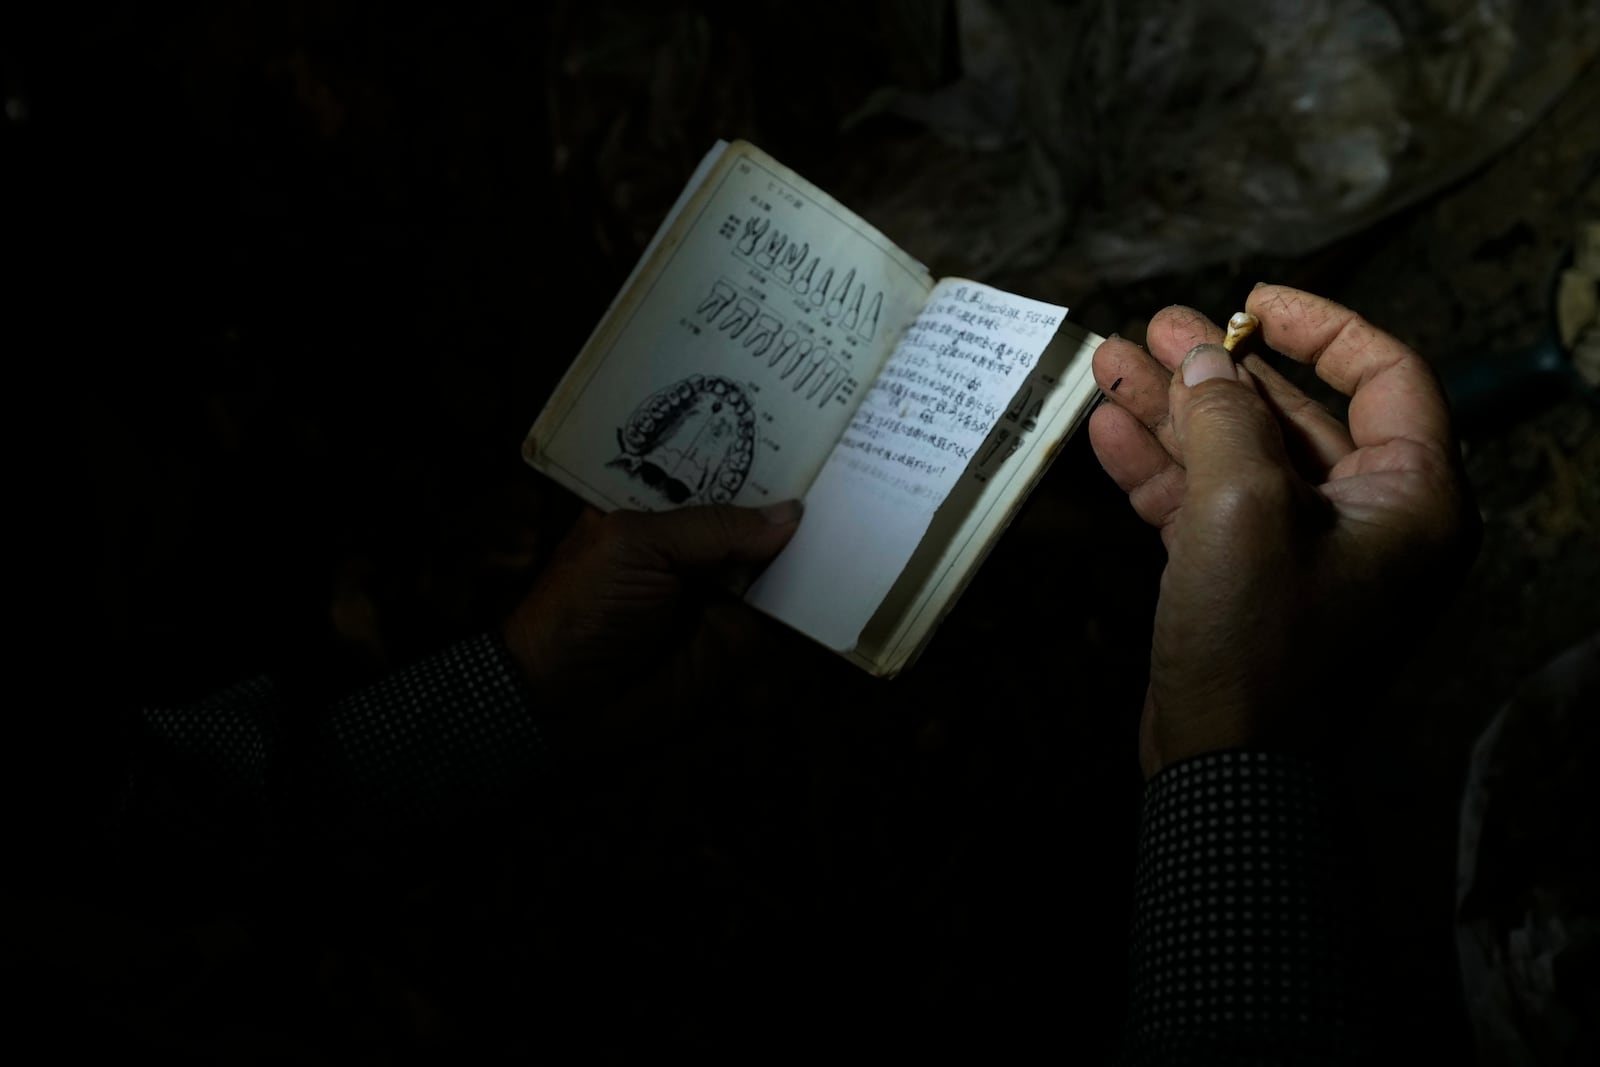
(416, 749)
(1241, 935)
(452, 731)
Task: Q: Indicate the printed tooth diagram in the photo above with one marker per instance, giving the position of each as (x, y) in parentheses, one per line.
(792, 265)
(805, 367)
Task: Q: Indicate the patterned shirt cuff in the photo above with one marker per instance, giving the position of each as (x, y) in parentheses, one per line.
(1239, 936)
(444, 734)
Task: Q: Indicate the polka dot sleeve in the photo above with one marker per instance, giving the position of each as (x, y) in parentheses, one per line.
(1238, 948)
(447, 733)
(442, 736)
(234, 733)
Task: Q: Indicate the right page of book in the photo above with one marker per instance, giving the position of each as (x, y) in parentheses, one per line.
(1052, 403)
(922, 420)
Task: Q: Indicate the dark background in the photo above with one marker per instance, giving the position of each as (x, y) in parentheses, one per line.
(296, 281)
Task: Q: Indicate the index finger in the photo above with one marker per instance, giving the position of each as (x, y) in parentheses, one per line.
(1394, 394)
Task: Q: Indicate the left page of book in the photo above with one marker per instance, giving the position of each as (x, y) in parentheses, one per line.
(738, 351)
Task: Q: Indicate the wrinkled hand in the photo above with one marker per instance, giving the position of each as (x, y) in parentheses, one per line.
(1302, 555)
(626, 622)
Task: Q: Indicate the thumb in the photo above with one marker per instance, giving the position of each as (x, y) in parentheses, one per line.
(717, 533)
(1225, 431)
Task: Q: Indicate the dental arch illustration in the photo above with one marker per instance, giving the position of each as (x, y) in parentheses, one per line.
(690, 442)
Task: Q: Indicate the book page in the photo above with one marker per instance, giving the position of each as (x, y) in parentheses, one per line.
(1053, 402)
(934, 404)
(739, 352)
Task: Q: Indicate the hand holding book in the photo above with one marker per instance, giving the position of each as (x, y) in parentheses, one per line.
(773, 345)
(624, 631)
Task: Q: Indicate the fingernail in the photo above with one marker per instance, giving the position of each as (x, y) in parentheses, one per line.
(782, 513)
(1114, 337)
(1258, 285)
(1205, 362)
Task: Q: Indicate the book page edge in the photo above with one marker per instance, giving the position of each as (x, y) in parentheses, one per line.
(948, 579)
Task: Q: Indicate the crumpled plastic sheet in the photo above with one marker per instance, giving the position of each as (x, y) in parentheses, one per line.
(1142, 137)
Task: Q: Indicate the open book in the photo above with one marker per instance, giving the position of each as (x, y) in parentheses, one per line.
(771, 345)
